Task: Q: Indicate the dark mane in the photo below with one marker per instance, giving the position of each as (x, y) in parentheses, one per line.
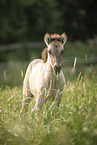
(44, 55)
(55, 37)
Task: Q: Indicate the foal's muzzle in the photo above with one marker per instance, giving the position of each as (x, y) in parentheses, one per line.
(57, 69)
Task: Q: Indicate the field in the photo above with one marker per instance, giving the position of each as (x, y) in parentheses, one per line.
(74, 122)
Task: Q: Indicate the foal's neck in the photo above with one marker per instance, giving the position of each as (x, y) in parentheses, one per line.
(49, 63)
(49, 66)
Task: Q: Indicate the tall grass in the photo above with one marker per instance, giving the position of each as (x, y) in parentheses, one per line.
(74, 122)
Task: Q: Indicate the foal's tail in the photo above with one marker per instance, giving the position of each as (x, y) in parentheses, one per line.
(44, 55)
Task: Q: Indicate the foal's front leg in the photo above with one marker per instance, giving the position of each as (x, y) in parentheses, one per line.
(58, 100)
(27, 97)
(40, 101)
(58, 97)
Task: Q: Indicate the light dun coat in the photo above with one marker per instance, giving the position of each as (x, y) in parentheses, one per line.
(44, 78)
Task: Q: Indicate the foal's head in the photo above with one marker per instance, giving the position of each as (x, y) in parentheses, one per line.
(55, 49)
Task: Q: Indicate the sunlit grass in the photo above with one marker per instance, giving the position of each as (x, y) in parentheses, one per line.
(73, 122)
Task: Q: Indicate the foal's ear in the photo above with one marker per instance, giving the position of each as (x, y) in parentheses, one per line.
(63, 38)
(47, 38)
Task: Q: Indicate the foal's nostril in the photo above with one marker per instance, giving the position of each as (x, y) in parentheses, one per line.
(57, 68)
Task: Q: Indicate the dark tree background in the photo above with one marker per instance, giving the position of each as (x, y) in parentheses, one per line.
(29, 20)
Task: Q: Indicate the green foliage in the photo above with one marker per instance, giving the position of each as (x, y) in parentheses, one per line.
(22, 20)
(73, 122)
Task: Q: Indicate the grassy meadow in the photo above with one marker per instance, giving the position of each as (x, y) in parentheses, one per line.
(74, 122)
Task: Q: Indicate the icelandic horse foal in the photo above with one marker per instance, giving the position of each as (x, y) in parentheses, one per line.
(44, 78)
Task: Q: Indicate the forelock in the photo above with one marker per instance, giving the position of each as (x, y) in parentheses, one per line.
(55, 37)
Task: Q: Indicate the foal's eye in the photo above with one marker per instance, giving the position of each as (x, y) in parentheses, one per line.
(50, 51)
(62, 51)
